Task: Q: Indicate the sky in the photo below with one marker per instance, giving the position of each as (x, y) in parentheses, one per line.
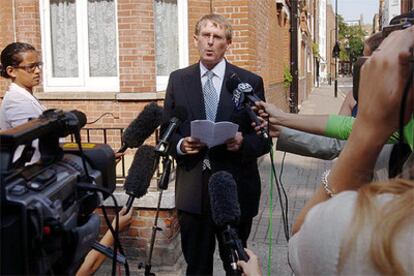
(352, 9)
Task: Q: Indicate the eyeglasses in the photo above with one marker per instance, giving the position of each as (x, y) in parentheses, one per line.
(30, 68)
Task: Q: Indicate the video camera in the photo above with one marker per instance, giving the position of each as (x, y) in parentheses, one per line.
(47, 220)
(397, 23)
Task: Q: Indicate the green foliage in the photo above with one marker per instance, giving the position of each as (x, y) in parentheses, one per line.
(287, 77)
(354, 35)
(315, 50)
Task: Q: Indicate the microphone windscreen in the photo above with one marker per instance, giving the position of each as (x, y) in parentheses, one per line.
(143, 126)
(80, 116)
(233, 82)
(180, 113)
(224, 202)
(141, 171)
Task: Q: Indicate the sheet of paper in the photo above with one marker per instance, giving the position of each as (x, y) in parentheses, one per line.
(213, 134)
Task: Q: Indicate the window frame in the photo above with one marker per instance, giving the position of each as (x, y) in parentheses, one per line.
(183, 60)
(84, 82)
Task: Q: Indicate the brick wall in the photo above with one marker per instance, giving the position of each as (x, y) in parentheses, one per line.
(136, 239)
(6, 33)
(136, 46)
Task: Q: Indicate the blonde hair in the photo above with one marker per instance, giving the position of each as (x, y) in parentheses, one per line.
(217, 20)
(387, 220)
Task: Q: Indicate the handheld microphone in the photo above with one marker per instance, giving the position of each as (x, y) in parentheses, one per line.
(225, 211)
(179, 115)
(139, 174)
(141, 127)
(243, 96)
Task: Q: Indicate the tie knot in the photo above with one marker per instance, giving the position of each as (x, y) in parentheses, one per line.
(209, 75)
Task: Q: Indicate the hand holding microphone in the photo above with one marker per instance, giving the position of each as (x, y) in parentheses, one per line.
(244, 97)
(225, 211)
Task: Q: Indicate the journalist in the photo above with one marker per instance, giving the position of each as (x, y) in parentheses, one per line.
(201, 89)
(349, 227)
(21, 63)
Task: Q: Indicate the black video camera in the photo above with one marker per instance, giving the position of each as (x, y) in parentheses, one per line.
(398, 23)
(47, 220)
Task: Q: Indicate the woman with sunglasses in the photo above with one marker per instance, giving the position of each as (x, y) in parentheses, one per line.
(20, 63)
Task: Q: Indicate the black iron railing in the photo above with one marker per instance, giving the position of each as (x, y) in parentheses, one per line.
(103, 135)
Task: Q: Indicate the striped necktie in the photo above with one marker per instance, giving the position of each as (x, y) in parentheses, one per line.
(210, 97)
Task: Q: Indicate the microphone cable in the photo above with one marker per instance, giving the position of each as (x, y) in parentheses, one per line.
(117, 243)
(283, 201)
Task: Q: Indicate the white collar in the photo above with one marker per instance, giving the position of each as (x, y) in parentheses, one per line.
(218, 70)
(15, 88)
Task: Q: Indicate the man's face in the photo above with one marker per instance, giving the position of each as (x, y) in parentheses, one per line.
(211, 43)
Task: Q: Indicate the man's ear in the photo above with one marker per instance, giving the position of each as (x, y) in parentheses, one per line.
(11, 71)
(228, 45)
(195, 40)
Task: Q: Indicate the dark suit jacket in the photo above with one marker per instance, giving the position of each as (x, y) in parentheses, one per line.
(185, 89)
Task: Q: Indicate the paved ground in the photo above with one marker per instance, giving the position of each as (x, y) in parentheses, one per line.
(299, 177)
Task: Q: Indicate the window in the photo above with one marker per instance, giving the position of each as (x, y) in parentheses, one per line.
(171, 38)
(80, 45)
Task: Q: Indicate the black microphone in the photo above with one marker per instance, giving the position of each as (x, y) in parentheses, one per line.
(179, 115)
(225, 211)
(243, 96)
(139, 174)
(141, 127)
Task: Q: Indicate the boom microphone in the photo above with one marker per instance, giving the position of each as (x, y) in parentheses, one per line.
(243, 96)
(225, 211)
(141, 127)
(179, 115)
(139, 174)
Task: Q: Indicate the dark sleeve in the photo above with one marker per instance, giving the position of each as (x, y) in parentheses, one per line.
(172, 100)
(169, 105)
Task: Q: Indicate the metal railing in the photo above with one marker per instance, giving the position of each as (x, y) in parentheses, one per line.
(100, 135)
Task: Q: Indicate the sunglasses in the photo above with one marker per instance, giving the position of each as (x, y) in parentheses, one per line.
(30, 68)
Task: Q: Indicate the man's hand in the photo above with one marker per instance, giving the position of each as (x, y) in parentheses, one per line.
(235, 143)
(191, 145)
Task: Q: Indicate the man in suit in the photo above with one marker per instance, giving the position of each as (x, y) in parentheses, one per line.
(188, 88)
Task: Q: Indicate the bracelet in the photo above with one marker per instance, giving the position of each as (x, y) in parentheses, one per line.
(325, 184)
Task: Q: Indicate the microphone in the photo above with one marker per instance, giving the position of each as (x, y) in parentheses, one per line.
(243, 96)
(141, 127)
(225, 211)
(139, 174)
(179, 115)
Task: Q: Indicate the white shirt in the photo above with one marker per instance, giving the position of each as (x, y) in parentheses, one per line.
(17, 107)
(218, 77)
(315, 248)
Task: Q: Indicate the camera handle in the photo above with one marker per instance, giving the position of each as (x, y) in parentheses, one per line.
(163, 185)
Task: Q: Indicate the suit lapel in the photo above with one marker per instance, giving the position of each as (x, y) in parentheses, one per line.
(225, 107)
(194, 93)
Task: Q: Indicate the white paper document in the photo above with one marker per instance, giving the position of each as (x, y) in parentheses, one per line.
(211, 133)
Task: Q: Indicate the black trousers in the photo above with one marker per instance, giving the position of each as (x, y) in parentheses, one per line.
(198, 238)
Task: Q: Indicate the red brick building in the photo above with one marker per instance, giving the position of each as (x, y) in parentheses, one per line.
(115, 56)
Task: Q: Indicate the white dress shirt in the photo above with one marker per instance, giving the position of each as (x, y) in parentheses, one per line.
(17, 107)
